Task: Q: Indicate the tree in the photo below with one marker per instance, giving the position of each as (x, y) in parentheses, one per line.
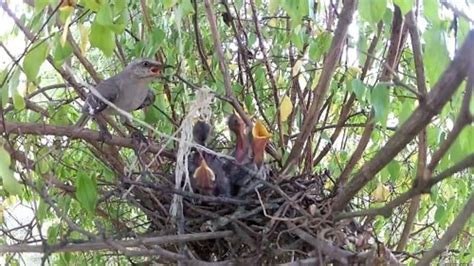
(369, 103)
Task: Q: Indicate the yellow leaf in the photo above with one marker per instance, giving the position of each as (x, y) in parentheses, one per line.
(381, 193)
(355, 71)
(296, 68)
(66, 29)
(84, 38)
(286, 107)
(273, 22)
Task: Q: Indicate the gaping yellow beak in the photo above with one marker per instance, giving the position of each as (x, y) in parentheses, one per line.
(204, 177)
(260, 136)
(259, 131)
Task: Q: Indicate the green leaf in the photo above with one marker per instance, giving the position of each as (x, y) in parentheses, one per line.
(394, 169)
(359, 89)
(10, 184)
(273, 6)
(119, 23)
(186, 7)
(404, 5)
(86, 192)
(53, 234)
(320, 46)
(4, 88)
(380, 100)
(42, 211)
(61, 53)
(18, 101)
(296, 9)
(435, 56)
(102, 38)
(406, 110)
(12, 85)
(169, 3)
(372, 11)
(34, 59)
(430, 10)
(104, 16)
(297, 39)
(94, 5)
(441, 216)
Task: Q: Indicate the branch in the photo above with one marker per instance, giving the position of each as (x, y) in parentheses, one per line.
(422, 141)
(106, 245)
(222, 65)
(332, 252)
(73, 133)
(452, 231)
(435, 100)
(269, 71)
(387, 210)
(329, 66)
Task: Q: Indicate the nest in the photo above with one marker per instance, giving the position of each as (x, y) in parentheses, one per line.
(272, 223)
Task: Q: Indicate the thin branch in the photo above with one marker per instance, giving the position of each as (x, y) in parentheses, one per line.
(452, 231)
(387, 210)
(329, 66)
(271, 77)
(435, 100)
(73, 133)
(105, 245)
(222, 64)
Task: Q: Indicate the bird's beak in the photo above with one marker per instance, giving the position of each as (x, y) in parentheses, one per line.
(260, 136)
(157, 68)
(204, 176)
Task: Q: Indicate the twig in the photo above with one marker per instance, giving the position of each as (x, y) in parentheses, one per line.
(222, 65)
(435, 100)
(452, 231)
(102, 245)
(387, 210)
(320, 91)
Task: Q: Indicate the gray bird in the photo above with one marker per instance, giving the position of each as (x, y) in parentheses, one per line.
(128, 90)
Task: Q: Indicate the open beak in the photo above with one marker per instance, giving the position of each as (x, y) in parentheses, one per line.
(157, 68)
(237, 126)
(204, 177)
(260, 136)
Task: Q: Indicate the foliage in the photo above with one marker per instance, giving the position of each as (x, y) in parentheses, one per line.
(73, 184)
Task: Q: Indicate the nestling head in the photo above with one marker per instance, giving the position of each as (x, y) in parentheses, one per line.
(236, 124)
(201, 131)
(145, 68)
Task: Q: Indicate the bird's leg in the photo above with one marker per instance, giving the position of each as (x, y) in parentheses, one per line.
(104, 133)
(140, 144)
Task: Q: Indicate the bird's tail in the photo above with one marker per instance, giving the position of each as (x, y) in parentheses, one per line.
(82, 120)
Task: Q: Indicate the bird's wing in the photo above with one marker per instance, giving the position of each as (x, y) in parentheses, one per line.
(149, 100)
(109, 89)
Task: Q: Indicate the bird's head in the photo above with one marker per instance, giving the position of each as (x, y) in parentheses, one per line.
(236, 124)
(201, 132)
(146, 68)
(260, 137)
(204, 177)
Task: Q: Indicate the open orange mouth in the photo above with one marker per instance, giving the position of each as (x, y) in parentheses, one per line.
(155, 70)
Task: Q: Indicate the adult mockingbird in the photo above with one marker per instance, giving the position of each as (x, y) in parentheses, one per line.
(128, 90)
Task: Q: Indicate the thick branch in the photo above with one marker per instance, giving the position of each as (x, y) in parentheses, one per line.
(329, 66)
(450, 234)
(73, 133)
(103, 245)
(387, 210)
(436, 99)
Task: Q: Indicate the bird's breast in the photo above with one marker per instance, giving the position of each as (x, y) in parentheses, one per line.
(131, 98)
